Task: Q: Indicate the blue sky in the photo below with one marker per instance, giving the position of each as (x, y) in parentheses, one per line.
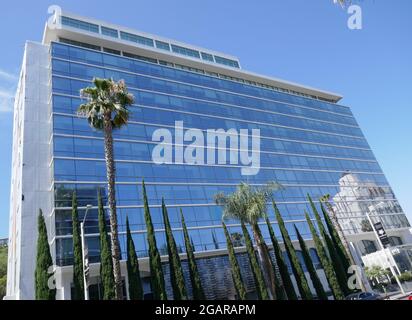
(302, 41)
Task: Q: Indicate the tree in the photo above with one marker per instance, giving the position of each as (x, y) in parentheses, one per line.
(176, 273)
(197, 289)
(78, 270)
(133, 272)
(334, 257)
(324, 260)
(338, 237)
(279, 290)
(297, 270)
(339, 241)
(377, 273)
(155, 262)
(237, 239)
(342, 3)
(320, 292)
(261, 288)
(280, 260)
(248, 205)
(106, 110)
(44, 263)
(378, 277)
(234, 267)
(3, 271)
(337, 266)
(106, 262)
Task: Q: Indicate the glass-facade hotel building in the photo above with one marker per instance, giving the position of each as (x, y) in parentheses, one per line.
(309, 143)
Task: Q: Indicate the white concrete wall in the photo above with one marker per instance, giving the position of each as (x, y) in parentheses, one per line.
(31, 172)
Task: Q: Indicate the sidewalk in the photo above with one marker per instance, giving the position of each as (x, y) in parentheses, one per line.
(400, 296)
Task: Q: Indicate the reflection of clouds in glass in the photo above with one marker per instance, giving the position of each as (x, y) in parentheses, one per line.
(356, 198)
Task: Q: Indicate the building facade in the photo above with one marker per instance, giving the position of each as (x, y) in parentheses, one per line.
(309, 143)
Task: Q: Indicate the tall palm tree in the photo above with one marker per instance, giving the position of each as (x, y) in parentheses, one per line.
(248, 205)
(106, 109)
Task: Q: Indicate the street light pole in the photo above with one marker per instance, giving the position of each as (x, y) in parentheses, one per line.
(82, 235)
(387, 255)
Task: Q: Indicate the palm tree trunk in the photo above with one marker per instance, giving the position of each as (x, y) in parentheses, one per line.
(264, 259)
(114, 237)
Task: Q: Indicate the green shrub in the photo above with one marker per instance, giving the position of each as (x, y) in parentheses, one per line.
(3, 271)
(403, 277)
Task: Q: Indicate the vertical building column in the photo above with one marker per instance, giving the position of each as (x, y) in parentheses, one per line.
(32, 173)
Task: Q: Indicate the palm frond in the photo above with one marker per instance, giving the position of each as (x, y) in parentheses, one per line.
(247, 204)
(106, 98)
(342, 3)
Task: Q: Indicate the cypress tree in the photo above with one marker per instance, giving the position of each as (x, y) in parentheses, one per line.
(324, 260)
(337, 242)
(337, 266)
(176, 273)
(257, 272)
(320, 292)
(197, 289)
(282, 266)
(234, 266)
(43, 263)
(78, 277)
(300, 278)
(334, 257)
(133, 273)
(106, 261)
(156, 271)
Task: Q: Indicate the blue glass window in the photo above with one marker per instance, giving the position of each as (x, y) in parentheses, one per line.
(185, 51)
(66, 21)
(110, 32)
(306, 145)
(162, 45)
(227, 62)
(79, 44)
(207, 56)
(135, 38)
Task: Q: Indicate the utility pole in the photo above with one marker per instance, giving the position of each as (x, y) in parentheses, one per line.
(84, 258)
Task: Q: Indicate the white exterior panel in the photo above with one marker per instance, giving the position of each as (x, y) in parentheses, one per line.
(31, 172)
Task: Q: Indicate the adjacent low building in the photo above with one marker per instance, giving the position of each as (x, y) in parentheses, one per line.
(4, 242)
(309, 142)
